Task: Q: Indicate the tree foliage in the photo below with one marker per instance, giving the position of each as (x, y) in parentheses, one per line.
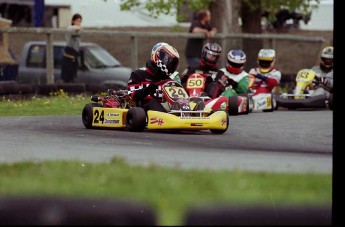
(158, 7)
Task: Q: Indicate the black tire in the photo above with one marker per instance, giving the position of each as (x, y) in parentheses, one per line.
(233, 106)
(330, 102)
(217, 131)
(136, 119)
(87, 114)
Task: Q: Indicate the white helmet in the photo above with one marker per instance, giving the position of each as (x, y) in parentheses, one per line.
(155, 47)
(266, 59)
(327, 57)
(235, 61)
(166, 57)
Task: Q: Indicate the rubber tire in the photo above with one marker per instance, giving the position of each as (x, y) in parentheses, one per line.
(233, 106)
(135, 119)
(330, 102)
(217, 131)
(87, 114)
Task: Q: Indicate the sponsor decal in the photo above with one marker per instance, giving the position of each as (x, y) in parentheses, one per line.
(196, 124)
(107, 121)
(224, 121)
(155, 120)
(223, 106)
(194, 118)
(113, 114)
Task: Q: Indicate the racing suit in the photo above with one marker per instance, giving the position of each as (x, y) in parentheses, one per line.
(265, 82)
(238, 85)
(327, 78)
(210, 72)
(143, 89)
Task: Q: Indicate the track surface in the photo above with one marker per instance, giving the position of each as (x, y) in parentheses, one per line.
(282, 141)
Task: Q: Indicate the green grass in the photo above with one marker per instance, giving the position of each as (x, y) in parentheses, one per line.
(170, 192)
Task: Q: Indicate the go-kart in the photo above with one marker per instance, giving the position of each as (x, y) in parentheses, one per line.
(234, 105)
(117, 110)
(260, 101)
(302, 96)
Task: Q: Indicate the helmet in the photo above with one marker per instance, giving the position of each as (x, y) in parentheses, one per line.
(327, 57)
(235, 61)
(210, 53)
(155, 47)
(165, 57)
(266, 59)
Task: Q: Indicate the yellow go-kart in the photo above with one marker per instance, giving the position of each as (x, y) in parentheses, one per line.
(302, 96)
(182, 112)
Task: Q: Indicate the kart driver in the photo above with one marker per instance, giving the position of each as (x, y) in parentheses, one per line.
(142, 84)
(234, 78)
(266, 75)
(208, 66)
(323, 81)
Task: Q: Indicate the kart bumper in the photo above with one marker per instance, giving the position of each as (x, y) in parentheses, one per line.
(318, 101)
(166, 121)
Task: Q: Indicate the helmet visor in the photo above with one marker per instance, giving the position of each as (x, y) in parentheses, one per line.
(171, 62)
(328, 62)
(236, 65)
(211, 57)
(265, 63)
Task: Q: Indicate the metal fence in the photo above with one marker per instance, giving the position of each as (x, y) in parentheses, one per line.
(138, 39)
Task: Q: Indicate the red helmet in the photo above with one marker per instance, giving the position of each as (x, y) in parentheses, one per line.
(235, 61)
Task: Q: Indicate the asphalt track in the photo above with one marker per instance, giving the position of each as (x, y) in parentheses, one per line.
(281, 141)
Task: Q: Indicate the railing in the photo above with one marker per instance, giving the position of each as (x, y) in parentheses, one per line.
(50, 32)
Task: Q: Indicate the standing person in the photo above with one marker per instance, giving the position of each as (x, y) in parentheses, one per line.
(142, 84)
(194, 45)
(266, 75)
(69, 67)
(208, 66)
(323, 81)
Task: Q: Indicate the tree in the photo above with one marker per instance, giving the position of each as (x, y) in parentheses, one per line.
(226, 14)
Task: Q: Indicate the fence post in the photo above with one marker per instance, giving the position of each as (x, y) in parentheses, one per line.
(134, 52)
(50, 58)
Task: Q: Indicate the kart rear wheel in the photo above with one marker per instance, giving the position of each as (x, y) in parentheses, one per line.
(217, 131)
(330, 102)
(87, 114)
(233, 106)
(135, 119)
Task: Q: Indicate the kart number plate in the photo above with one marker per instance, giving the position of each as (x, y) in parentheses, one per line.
(175, 92)
(195, 83)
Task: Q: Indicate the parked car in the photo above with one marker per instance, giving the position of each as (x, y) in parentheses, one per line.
(96, 65)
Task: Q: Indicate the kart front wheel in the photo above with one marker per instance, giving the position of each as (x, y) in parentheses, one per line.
(221, 131)
(135, 119)
(87, 114)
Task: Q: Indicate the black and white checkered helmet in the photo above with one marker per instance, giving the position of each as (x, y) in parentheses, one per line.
(166, 58)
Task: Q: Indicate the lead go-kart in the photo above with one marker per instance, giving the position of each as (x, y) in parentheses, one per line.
(117, 110)
(302, 96)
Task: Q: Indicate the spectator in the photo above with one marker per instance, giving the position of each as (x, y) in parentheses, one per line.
(69, 67)
(194, 45)
(266, 75)
(323, 81)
